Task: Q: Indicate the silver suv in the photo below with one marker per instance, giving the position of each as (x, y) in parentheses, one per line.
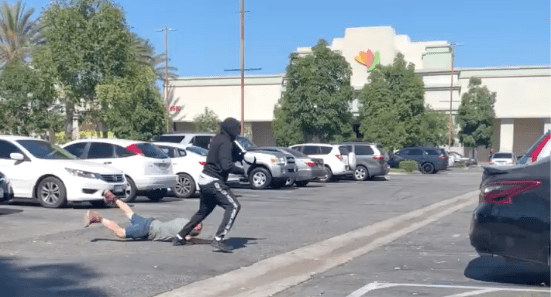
(371, 160)
(272, 168)
(200, 139)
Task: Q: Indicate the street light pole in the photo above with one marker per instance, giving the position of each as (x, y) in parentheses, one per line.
(243, 66)
(165, 83)
(452, 47)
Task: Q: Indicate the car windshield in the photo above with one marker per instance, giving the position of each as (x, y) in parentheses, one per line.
(525, 159)
(245, 143)
(151, 151)
(502, 156)
(45, 150)
(295, 153)
(171, 138)
(198, 150)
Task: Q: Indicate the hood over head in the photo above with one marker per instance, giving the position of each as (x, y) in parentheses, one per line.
(231, 126)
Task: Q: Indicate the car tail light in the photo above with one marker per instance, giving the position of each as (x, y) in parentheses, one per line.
(491, 162)
(202, 163)
(310, 164)
(502, 192)
(339, 157)
(135, 149)
(378, 158)
(442, 158)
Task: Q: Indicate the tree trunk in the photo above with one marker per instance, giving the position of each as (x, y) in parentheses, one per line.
(69, 112)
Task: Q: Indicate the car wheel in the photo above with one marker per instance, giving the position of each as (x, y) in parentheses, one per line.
(130, 191)
(98, 203)
(302, 183)
(260, 178)
(156, 195)
(361, 173)
(51, 193)
(427, 168)
(327, 176)
(185, 186)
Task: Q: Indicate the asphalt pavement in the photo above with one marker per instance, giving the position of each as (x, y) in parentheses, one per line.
(47, 252)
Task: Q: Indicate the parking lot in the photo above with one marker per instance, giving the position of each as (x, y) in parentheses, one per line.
(47, 252)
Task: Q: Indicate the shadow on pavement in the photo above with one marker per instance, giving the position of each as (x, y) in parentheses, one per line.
(240, 242)
(7, 211)
(47, 280)
(501, 270)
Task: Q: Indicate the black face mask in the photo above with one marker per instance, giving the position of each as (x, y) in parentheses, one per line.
(231, 126)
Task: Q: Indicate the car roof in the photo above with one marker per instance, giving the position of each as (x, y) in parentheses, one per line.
(18, 137)
(173, 144)
(123, 142)
(320, 144)
(189, 133)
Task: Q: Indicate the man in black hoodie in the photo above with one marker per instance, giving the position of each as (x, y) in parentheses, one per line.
(212, 182)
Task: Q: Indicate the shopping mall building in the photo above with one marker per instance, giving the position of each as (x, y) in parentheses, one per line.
(523, 103)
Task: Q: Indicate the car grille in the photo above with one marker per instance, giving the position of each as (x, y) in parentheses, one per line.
(290, 160)
(112, 178)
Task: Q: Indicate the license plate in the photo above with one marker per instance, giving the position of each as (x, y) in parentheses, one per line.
(119, 189)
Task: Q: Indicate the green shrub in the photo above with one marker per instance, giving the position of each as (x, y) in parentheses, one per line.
(459, 165)
(408, 166)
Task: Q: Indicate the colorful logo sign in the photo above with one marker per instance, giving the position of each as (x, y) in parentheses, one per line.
(368, 59)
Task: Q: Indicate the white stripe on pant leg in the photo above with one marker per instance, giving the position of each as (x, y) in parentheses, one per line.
(233, 213)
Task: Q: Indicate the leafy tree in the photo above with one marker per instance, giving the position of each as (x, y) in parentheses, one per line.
(434, 128)
(28, 104)
(19, 34)
(476, 115)
(392, 105)
(207, 121)
(89, 44)
(315, 103)
(134, 105)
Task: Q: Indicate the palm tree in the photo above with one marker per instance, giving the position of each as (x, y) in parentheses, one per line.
(19, 34)
(145, 53)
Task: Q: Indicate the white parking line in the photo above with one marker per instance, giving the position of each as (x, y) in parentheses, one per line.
(479, 290)
(474, 293)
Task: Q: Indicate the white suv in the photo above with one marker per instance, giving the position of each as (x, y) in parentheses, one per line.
(146, 167)
(200, 139)
(39, 170)
(339, 161)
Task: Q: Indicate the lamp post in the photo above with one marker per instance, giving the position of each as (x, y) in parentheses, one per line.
(165, 84)
(242, 69)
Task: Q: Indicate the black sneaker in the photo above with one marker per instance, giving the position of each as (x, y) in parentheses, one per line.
(220, 246)
(178, 242)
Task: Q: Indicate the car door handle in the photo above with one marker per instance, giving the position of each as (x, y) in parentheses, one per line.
(174, 163)
(107, 162)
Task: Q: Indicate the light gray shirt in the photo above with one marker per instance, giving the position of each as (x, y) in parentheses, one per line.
(165, 231)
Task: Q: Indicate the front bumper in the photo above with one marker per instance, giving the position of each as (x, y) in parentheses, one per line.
(151, 182)
(88, 189)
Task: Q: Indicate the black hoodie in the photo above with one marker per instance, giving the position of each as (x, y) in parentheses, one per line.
(219, 159)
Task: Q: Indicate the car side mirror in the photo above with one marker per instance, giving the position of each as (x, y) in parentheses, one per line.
(17, 156)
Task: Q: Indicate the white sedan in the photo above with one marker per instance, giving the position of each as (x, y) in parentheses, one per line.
(188, 162)
(39, 170)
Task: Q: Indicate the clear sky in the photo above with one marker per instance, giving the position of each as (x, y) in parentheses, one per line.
(491, 32)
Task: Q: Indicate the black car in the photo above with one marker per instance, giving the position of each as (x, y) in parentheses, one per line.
(512, 217)
(430, 159)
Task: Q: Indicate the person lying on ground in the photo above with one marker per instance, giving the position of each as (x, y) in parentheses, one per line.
(140, 228)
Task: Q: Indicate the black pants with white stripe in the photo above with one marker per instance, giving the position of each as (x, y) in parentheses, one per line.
(213, 194)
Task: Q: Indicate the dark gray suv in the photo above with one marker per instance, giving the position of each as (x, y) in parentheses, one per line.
(371, 160)
(430, 159)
